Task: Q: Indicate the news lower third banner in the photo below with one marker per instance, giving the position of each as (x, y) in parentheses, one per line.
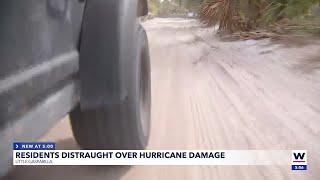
(46, 154)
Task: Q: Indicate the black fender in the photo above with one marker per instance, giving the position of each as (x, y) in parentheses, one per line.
(107, 45)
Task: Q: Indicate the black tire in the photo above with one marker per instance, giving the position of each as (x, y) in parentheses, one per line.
(120, 126)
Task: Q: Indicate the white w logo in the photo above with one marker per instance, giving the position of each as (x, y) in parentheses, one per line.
(299, 156)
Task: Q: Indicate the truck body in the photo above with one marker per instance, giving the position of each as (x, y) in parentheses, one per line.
(46, 70)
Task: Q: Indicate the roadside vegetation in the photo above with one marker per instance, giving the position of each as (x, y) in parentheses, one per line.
(248, 18)
(174, 7)
(299, 17)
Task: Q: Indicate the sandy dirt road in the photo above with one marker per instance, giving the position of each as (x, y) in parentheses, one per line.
(209, 94)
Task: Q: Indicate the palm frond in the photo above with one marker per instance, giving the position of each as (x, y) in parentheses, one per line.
(221, 12)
